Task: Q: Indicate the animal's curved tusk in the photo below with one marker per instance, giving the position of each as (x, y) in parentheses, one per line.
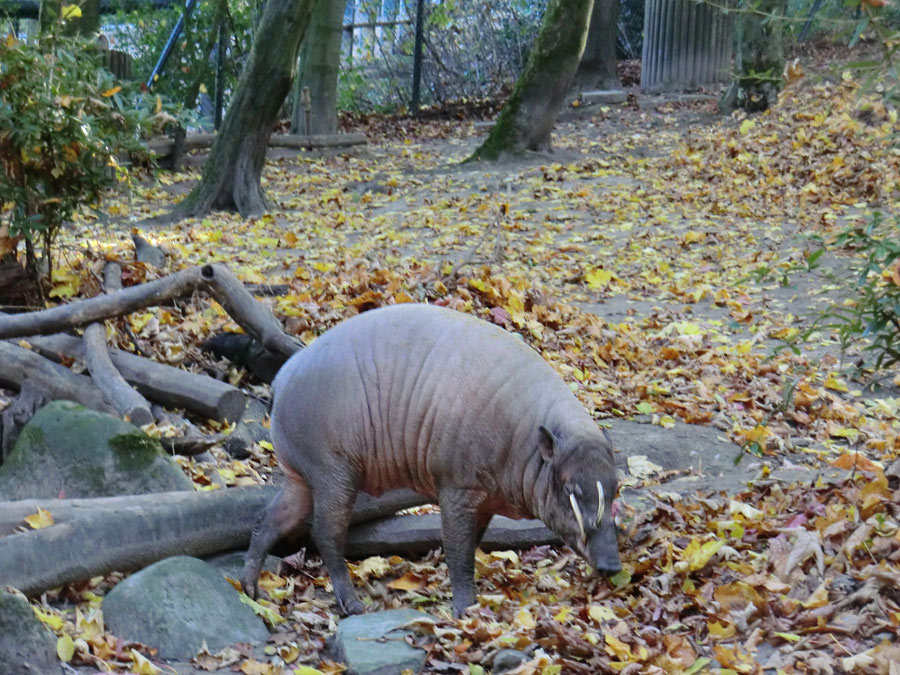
(578, 517)
(601, 502)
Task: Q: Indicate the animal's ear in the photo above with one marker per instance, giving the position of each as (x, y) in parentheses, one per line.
(548, 444)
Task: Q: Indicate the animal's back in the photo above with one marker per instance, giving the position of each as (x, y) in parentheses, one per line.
(413, 395)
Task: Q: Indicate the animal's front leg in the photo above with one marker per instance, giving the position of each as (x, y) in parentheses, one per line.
(462, 527)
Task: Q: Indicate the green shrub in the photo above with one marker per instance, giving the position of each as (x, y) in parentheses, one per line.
(874, 313)
(65, 124)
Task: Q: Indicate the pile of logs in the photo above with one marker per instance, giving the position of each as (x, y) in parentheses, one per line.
(122, 383)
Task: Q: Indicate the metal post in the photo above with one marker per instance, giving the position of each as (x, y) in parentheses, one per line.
(417, 62)
(170, 45)
(220, 76)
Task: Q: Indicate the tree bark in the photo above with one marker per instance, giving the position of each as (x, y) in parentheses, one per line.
(759, 62)
(319, 66)
(598, 68)
(527, 118)
(231, 176)
(128, 403)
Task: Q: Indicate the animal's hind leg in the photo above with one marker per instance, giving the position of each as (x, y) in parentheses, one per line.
(330, 523)
(285, 514)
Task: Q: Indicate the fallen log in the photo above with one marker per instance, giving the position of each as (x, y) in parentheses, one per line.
(217, 279)
(58, 382)
(413, 535)
(92, 537)
(168, 386)
(162, 147)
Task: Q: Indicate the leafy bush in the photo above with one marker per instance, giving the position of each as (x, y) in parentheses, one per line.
(874, 313)
(64, 124)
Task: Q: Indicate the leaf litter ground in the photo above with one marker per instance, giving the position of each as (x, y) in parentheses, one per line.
(656, 260)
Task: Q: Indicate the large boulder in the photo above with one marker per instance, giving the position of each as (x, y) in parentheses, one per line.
(26, 646)
(67, 450)
(176, 605)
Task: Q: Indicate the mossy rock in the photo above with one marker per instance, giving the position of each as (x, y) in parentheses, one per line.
(67, 450)
(26, 647)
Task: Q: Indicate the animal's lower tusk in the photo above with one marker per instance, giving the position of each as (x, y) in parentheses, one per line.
(578, 517)
(601, 502)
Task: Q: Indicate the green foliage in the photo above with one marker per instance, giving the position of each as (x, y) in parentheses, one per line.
(874, 314)
(190, 69)
(64, 125)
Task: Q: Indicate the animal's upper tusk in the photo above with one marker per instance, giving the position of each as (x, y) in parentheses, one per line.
(601, 502)
(578, 517)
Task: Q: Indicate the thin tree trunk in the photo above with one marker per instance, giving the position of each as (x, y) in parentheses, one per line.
(231, 176)
(598, 63)
(528, 116)
(320, 64)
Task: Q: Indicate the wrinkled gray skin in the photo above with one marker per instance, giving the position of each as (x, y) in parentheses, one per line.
(448, 405)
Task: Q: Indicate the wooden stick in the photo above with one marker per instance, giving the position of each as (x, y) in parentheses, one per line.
(162, 147)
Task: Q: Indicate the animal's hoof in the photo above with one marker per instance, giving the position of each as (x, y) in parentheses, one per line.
(354, 607)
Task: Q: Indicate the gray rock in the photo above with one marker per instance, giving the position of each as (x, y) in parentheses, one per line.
(507, 659)
(176, 604)
(374, 644)
(26, 647)
(231, 564)
(603, 96)
(69, 450)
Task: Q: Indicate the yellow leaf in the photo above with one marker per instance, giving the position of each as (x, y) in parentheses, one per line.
(158, 107)
(141, 666)
(599, 613)
(524, 619)
(408, 582)
(111, 92)
(696, 555)
(65, 648)
(749, 512)
(719, 632)
(694, 237)
(52, 621)
(598, 278)
(40, 519)
(202, 88)
(563, 614)
(307, 670)
(831, 382)
(71, 12)
(323, 267)
(790, 637)
(746, 126)
(615, 647)
(269, 615)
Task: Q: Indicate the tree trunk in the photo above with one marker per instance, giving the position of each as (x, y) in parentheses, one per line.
(760, 57)
(320, 64)
(598, 69)
(686, 46)
(528, 116)
(231, 176)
